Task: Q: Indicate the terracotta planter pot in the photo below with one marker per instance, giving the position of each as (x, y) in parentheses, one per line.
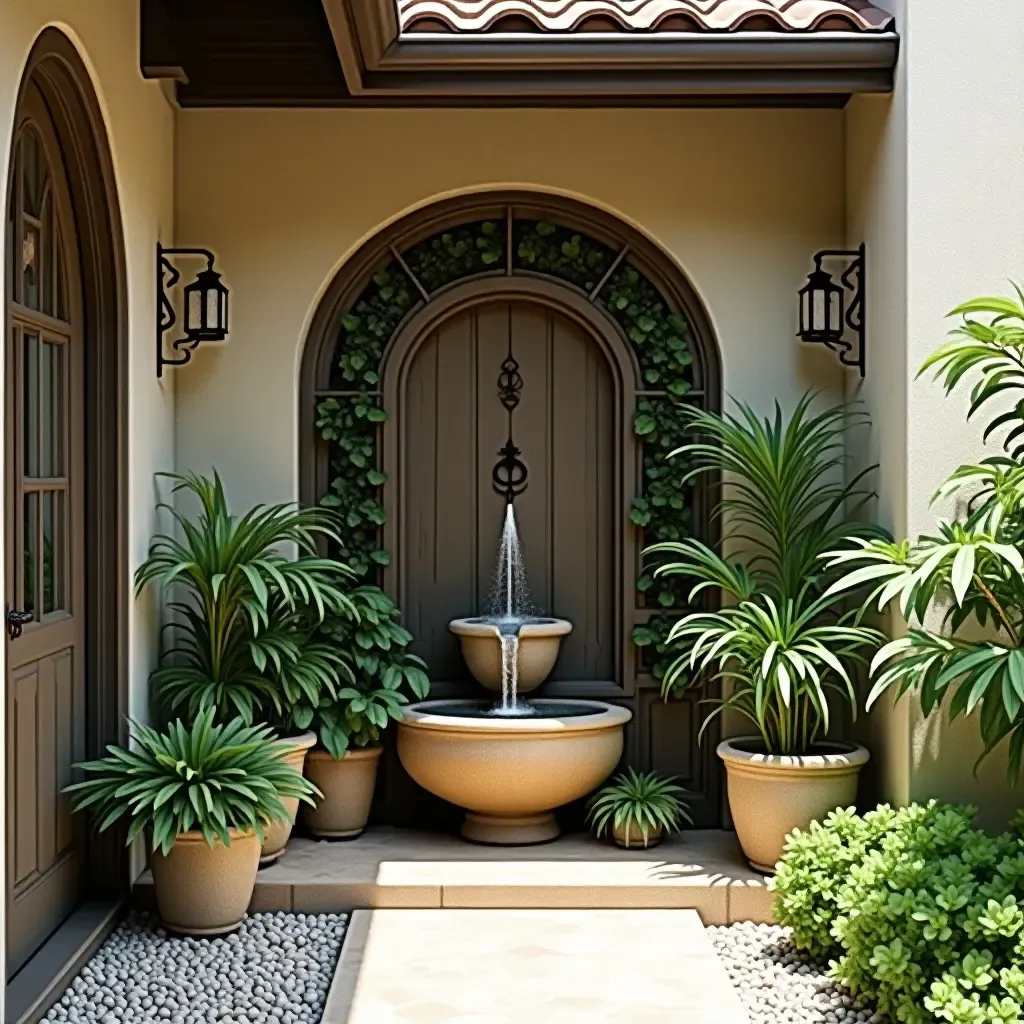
(276, 835)
(205, 890)
(347, 786)
(772, 794)
(511, 773)
(635, 839)
(539, 642)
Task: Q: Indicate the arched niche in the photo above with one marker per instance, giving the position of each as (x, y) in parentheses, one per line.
(425, 309)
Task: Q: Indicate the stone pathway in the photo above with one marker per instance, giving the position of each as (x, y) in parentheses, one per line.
(530, 967)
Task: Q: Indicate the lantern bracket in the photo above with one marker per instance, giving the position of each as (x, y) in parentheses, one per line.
(853, 280)
(167, 276)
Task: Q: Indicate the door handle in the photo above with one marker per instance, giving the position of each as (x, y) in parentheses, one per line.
(16, 621)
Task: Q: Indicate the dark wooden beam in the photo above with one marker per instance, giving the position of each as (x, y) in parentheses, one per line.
(158, 50)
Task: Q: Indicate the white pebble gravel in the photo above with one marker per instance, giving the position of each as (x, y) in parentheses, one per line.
(276, 969)
(778, 984)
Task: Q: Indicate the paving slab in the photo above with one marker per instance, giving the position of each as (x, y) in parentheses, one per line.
(406, 869)
(530, 967)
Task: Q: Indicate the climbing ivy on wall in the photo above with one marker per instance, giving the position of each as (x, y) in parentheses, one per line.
(661, 341)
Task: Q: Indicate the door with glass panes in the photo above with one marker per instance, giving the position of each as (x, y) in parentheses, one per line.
(44, 485)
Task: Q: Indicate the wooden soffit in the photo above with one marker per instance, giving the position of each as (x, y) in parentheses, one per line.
(519, 52)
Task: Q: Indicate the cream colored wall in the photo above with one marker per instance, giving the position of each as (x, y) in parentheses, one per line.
(936, 183)
(741, 199)
(140, 128)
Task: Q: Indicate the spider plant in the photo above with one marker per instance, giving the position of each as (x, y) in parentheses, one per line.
(782, 641)
(968, 570)
(208, 777)
(246, 624)
(637, 803)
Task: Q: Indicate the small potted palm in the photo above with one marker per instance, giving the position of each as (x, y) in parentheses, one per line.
(782, 646)
(349, 723)
(637, 809)
(205, 796)
(246, 640)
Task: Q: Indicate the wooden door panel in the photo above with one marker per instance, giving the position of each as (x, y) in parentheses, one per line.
(45, 489)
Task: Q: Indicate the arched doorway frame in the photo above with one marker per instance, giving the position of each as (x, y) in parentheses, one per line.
(55, 69)
(631, 247)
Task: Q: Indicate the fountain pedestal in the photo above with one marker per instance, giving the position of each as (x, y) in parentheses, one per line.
(511, 773)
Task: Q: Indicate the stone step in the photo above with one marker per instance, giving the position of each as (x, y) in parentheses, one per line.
(396, 868)
(530, 967)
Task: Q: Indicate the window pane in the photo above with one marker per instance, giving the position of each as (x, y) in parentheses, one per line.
(32, 174)
(60, 304)
(30, 528)
(51, 420)
(46, 257)
(31, 255)
(54, 551)
(30, 405)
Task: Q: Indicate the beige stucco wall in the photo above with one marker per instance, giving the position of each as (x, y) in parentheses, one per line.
(739, 198)
(140, 128)
(936, 184)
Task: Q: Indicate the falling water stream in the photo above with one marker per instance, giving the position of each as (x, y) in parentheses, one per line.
(509, 610)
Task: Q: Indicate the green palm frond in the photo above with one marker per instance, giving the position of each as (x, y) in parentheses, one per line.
(642, 801)
(970, 569)
(208, 777)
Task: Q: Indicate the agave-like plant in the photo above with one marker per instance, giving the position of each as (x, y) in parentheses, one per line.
(969, 568)
(246, 631)
(208, 777)
(783, 641)
(644, 803)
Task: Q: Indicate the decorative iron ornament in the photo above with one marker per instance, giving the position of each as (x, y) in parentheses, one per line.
(825, 316)
(510, 475)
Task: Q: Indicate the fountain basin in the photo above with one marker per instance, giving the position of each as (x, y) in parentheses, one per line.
(511, 773)
(539, 641)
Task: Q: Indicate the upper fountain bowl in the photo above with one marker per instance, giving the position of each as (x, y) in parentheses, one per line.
(539, 641)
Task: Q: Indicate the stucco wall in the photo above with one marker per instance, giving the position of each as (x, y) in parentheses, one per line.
(140, 128)
(741, 199)
(936, 180)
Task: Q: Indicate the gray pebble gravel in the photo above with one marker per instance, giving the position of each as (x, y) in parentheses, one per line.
(276, 969)
(778, 984)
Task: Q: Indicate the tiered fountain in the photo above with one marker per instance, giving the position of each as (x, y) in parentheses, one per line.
(510, 762)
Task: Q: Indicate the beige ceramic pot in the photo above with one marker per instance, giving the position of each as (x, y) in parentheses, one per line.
(539, 642)
(635, 838)
(511, 773)
(277, 834)
(772, 794)
(202, 889)
(347, 786)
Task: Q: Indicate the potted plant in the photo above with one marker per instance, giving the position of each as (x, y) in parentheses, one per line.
(205, 796)
(349, 723)
(783, 644)
(247, 615)
(638, 808)
(970, 569)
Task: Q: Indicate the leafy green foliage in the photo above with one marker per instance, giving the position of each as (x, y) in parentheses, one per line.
(784, 643)
(244, 630)
(462, 252)
(641, 802)
(918, 911)
(207, 777)
(350, 424)
(971, 568)
(384, 673)
(548, 248)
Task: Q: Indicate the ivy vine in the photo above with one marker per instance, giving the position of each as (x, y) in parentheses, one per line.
(661, 340)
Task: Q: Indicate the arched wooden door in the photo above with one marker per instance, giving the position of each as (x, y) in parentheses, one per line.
(45, 540)
(568, 425)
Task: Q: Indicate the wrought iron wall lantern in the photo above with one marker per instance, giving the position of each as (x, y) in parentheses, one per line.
(825, 313)
(205, 307)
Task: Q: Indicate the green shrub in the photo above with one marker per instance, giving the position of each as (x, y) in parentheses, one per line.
(917, 910)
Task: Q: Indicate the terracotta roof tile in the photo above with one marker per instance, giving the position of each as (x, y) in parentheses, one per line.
(496, 16)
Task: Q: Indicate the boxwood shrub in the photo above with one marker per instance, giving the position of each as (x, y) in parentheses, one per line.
(916, 909)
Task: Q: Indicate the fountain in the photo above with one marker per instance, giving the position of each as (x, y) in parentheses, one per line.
(509, 650)
(510, 763)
